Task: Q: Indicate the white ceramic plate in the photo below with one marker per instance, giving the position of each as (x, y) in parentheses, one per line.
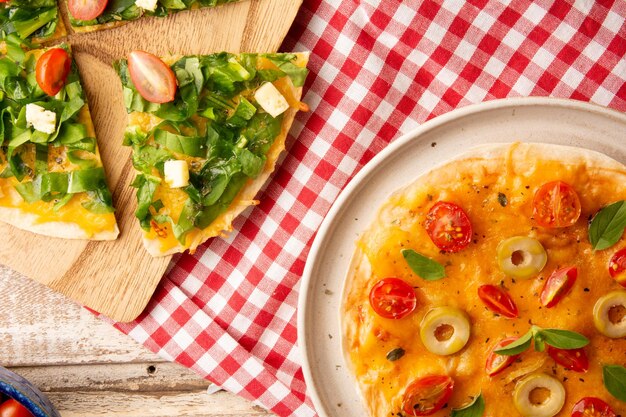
(548, 120)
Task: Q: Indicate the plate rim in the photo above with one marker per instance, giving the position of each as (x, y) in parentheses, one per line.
(370, 166)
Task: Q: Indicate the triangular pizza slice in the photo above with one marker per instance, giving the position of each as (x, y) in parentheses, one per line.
(51, 177)
(93, 15)
(206, 132)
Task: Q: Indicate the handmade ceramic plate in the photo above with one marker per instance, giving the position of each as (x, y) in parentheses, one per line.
(565, 122)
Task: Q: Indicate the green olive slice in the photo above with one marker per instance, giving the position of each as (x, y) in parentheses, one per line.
(445, 330)
(539, 395)
(521, 257)
(608, 314)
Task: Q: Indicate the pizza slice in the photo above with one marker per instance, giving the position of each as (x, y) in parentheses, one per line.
(206, 132)
(51, 177)
(89, 16)
(35, 21)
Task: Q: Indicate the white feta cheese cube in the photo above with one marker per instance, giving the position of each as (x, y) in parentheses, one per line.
(41, 119)
(271, 100)
(176, 173)
(146, 4)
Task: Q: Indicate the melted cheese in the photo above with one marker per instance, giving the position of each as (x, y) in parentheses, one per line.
(399, 225)
(73, 211)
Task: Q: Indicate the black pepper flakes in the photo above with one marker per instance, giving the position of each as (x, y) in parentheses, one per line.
(502, 199)
(395, 354)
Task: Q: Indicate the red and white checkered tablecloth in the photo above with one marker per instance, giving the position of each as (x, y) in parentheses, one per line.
(378, 70)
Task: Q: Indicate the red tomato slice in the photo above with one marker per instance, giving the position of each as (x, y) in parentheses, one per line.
(497, 363)
(86, 9)
(52, 70)
(592, 407)
(154, 80)
(498, 300)
(556, 204)
(448, 226)
(393, 298)
(617, 267)
(558, 285)
(427, 395)
(572, 359)
(11, 408)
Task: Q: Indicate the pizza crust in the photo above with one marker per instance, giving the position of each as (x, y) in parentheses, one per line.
(512, 161)
(245, 198)
(64, 230)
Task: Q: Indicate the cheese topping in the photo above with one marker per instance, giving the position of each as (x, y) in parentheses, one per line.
(399, 225)
(41, 119)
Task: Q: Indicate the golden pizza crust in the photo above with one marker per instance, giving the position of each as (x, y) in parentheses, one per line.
(514, 164)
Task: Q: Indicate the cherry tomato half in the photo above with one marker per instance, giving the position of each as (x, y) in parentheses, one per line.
(11, 408)
(592, 407)
(498, 300)
(448, 226)
(556, 204)
(86, 9)
(558, 285)
(427, 395)
(573, 359)
(393, 298)
(52, 70)
(154, 80)
(617, 267)
(497, 363)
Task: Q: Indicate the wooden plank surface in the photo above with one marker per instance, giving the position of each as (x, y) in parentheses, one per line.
(88, 368)
(118, 278)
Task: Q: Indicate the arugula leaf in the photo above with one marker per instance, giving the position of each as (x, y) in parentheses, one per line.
(614, 377)
(474, 409)
(517, 347)
(146, 186)
(99, 201)
(424, 267)
(563, 339)
(284, 62)
(607, 226)
(186, 145)
(27, 21)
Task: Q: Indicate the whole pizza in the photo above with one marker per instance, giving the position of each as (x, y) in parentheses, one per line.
(494, 285)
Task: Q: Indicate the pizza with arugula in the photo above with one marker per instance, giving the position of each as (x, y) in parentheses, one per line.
(52, 181)
(206, 132)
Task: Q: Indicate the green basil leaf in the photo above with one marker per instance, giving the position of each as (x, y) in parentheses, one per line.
(517, 347)
(474, 409)
(424, 267)
(563, 339)
(614, 377)
(607, 226)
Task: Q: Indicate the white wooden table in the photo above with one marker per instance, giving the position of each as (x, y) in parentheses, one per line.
(88, 368)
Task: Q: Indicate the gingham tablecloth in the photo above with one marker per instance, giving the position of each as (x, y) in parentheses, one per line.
(378, 70)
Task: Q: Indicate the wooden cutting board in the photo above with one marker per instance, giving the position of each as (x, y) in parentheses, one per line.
(118, 278)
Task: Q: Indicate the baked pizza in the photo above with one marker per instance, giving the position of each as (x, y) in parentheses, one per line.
(35, 21)
(494, 285)
(92, 15)
(206, 132)
(51, 177)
